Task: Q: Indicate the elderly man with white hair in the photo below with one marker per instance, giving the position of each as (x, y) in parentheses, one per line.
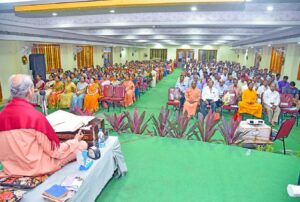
(29, 145)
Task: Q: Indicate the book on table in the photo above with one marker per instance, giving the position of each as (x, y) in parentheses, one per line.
(63, 121)
(56, 193)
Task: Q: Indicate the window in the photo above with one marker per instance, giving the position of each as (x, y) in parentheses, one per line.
(160, 54)
(51, 53)
(85, 58)
(207, 55)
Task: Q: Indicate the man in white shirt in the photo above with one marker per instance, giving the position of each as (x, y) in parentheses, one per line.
(210, 96)
(271, 99)
(181, 85)
(263, 88)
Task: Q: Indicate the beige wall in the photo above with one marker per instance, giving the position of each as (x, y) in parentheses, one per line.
(11, 53)
(289, 68)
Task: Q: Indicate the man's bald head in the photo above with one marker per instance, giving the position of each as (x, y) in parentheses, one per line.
(21, 86)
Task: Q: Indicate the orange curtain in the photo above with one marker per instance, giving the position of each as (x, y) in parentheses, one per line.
(277, 59)
(51, 53)
(85, 58)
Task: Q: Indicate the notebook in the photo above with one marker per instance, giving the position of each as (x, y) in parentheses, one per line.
(63, 121)
(56, 192)
(72, 183)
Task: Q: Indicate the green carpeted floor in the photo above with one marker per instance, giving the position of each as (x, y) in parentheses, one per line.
(166, 169)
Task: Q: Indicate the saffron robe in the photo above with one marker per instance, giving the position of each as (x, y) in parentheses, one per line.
(191, 95)
(29, 145)
(248, 104)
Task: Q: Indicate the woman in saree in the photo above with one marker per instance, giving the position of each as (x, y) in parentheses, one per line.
(92, 96)
(57, 89)
(48, 86)
(129, 91)
(66, 97)
(38, 85)
(77, 100)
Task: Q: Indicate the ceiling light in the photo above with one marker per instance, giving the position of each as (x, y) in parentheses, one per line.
(248, 0)
(194, 8)
(112, 11)
(269, 45)
(252, 47)
(269, 8)
(54, 14)
(299, 42)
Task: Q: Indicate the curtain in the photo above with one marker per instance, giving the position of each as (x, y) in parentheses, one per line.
(51, 53)
(85, 58)
(277, 59)
(207, 55)
(158, 53)
(298, 77)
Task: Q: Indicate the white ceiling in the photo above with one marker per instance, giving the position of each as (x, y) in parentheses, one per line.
(234, 24)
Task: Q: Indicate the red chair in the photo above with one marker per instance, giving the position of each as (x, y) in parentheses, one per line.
(118, 96)
(173, 97)
(232, 105)
(283, 131)
(286, 106)
(107, 95)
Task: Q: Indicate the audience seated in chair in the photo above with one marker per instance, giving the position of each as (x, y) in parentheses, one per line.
(210, 97)
(39, 85)
(192, 99)
(92, 96)
(236, 89)
(271, 101)
(249, 103)
(57, 88)
(181, 85)
(77, 99)
(29, 145)
(292, 90)
(65, 99)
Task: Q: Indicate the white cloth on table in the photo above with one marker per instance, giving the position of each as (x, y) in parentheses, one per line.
(95, 178)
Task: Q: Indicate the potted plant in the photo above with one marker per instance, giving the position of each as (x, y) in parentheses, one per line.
(229, 130)
(206, 127)
(136, 122)
(178, 126)
(161, 123)
(117, 122)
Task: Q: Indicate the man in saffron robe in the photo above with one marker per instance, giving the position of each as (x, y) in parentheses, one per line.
(192, 99)
(29, 144)
(248, 104)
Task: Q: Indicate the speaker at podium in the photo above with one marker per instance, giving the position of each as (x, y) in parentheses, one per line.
(38, 65)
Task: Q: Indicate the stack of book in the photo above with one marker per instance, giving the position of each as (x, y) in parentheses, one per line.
(63, 192)
(56, 193)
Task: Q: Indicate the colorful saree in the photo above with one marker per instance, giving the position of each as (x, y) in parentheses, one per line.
(66, 97)
(53, 98)
(91, 98)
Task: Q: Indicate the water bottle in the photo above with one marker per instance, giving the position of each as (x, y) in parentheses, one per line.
(96, 139)
(101, 138)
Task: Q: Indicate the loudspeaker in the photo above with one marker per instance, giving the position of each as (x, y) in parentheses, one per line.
(37, 65)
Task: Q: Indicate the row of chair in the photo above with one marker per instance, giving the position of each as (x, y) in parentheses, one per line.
(112, 95)
(286, 103)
